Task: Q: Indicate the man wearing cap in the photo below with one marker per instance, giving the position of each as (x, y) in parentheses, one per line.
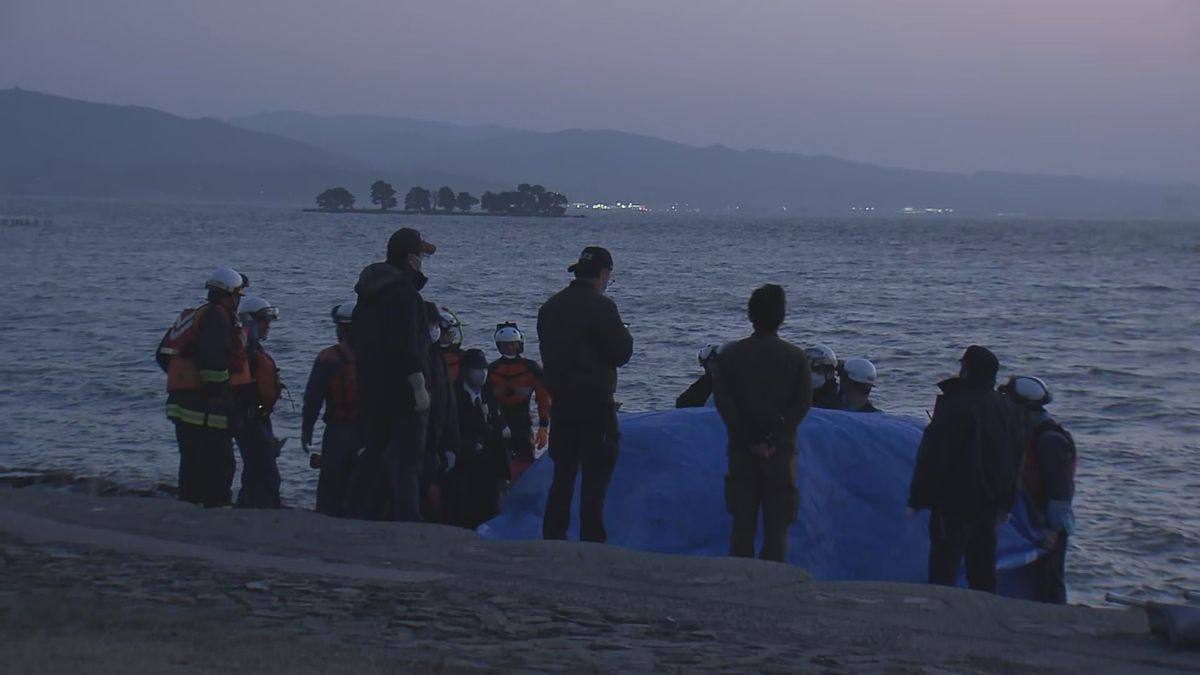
(967, 471)
(582, 341)
(390, 338)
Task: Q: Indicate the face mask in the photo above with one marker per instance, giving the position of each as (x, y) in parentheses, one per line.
(435, 334)
(818, 380)
(475, 378)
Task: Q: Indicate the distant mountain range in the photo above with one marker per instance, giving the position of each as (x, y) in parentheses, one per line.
(54, 145)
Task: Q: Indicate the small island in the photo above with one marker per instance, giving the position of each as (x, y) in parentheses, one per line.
(528, 200)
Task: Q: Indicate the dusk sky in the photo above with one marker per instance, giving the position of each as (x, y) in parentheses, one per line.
(1094, 87)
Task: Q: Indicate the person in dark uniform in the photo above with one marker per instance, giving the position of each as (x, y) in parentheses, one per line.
(966, 472)
(256, 436)
(515, 381)
(858, 379)
(583, 341)
(697, 395)
(824, 364)
(390, 339)
(470, 490)
(331, 384)
(762, 388)
(204, 357)
(442, 439)
(1048, 482)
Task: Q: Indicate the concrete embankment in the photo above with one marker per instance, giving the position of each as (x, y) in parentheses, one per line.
(134, 584)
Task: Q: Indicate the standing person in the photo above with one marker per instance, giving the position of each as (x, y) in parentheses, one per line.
(256, 400)
(823, 362)
(700, 391)
(204, 356)
(1048, 480)
(390, 339)
(966, 471)
(332, 384)
(762, 389)
(442, 439)
(514, 381)
(450, 342)
(858, 379)
(583, 341)
(471, 488)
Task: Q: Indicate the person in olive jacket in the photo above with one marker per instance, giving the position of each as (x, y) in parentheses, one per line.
(583, 341)
(762, 388)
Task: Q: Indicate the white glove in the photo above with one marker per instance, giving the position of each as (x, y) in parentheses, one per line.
(507, 433)
(420, 393)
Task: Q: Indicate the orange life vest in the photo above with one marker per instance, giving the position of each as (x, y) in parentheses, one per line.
(453, 361)
(267, 385)
(515, 381)
(1032, 474)
(176, 351)
(342, 398)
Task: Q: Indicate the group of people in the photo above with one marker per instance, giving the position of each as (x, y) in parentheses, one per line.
(419, 428)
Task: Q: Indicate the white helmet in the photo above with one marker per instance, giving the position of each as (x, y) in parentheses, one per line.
(343, 313)
(1029, 391)
(821, 355)
(227, 280)
(508, 332)
(258, 309)
(861, 371)
(453, 325)
(711, 351)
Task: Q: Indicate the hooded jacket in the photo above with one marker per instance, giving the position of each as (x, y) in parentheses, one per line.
(390, 338)
(968, 463)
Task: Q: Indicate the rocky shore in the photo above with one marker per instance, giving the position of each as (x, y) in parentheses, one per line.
(109, 584)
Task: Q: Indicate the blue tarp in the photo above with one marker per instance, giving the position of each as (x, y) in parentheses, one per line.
(854, 469)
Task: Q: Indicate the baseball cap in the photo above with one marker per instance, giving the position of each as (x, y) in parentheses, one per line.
(407, 241)
(594, 257)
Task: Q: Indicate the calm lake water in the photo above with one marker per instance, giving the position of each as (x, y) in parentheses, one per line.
(1107, 313)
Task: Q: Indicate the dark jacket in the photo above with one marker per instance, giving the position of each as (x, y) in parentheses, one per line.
(480, 446)
(583, 341)
(443, 413)
(696, 395)
(390, 338)
(969, 459)
(828, 396)
(763, 390)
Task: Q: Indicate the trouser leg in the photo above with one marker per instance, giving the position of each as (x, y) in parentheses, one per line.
(403, 456)
(947, 543)
(260, 473)
(981, 555)
(206, 465)
(369, 482)
(339, 449)
(742, 499)
(598, 459)
(780, 504)
(1051, 569)
(565, 453)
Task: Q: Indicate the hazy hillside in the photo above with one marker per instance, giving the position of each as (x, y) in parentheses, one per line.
(611, 165)
(56, 145)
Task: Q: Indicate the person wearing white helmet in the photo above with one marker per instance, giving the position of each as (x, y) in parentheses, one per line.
(256, 436)
(858, 378)
(442, 438)
(203, 354)
(699, 393)
(516, 381)
(332, 384)
(449, 341)
(824, 364)
(1048, 482)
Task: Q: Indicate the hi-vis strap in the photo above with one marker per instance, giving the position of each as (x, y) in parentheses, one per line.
(196, 418)
(209, 376)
